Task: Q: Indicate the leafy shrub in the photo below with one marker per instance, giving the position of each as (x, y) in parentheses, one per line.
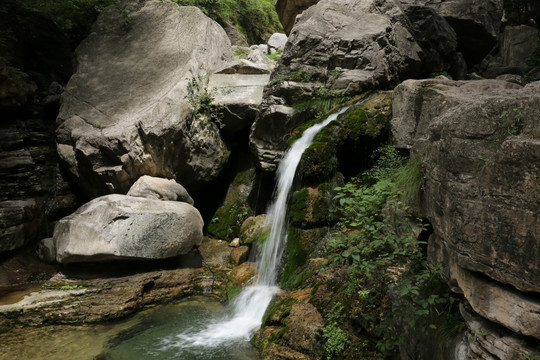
(335, 338)
(376, 237)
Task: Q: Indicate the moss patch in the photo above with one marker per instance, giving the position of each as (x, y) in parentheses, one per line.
(355, 133)
(300, 243)
(228, 218)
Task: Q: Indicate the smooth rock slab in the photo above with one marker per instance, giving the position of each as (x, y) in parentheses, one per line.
(119, 227)
(159, 189)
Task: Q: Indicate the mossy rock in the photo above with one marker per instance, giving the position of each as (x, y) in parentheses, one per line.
(310, 208)
(228, 218)
(354, 135)
(300, 243)
(254, 229)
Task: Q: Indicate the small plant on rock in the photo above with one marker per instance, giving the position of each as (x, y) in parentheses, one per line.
(202, 101)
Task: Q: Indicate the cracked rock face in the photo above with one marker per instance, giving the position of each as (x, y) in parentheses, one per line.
(125, 112)
(344, 46)
(480, 141)
(120, 227)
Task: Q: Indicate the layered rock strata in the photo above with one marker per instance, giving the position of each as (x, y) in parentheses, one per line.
(480, 142)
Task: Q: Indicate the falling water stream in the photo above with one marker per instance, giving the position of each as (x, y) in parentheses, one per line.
(251, 303)
(196, 328)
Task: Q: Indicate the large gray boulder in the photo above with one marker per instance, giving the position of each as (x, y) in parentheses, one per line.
(237, 89)
(128, 109)
(120, 227)
(277, 41)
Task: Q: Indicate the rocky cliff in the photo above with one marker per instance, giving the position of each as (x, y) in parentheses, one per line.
(34, 192)
(480, 143)
(140, 103)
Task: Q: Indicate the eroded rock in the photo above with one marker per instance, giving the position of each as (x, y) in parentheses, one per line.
(238, 90)
(124, 115)
(119, 227)
(345, 47)
(277, 41)
(480, 141)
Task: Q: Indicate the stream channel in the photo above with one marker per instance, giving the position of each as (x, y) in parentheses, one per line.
(194, 329)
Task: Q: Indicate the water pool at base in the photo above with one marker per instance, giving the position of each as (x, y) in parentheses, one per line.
(150, 334)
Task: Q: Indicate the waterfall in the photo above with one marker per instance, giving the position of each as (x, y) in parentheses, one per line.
(250, 305)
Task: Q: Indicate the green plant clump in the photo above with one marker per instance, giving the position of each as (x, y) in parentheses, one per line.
(202, 101)
(335, 338)
(377, 236)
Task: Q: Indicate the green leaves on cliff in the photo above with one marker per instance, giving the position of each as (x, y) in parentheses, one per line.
(257, 19)
(202, 101)
(392, 289)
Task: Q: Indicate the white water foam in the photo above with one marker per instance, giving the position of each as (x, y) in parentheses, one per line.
(250, 305)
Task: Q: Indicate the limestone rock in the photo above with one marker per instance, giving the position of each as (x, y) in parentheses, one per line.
(239, 255)
(416, 103)
(235, 243)
(502, 304)
(347, 47)
(277, 41)
(125, 115)
(303, 326)
(479, 140)
(98, 298)
(124, 227)
(516, 44)
(216, 253)
(485, 340)
(159, 189)
(517, 312)
(438, 41)
(253, 229)
(238, 89)
(514, 52)
(481, 19)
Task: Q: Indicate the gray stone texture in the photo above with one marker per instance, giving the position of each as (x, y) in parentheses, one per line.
(125, 113)
(120, 227)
